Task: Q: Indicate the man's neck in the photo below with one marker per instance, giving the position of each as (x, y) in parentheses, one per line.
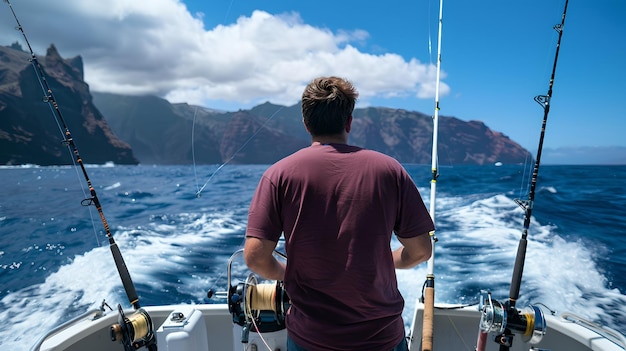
(330, 139)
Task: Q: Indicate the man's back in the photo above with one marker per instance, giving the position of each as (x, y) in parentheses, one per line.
(338, 205)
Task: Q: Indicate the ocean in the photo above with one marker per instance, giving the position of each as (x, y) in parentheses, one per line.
(55, 262)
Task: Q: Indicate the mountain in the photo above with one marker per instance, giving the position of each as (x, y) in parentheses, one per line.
(163, 133)
(30, 133)
(407, 136)
(268, 132)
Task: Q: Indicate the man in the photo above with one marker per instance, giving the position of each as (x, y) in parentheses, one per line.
(337, 206)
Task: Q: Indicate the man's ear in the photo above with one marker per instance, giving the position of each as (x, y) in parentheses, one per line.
(349, 124)
(305, 126)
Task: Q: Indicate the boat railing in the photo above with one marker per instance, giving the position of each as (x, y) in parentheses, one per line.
(606, 332)
(93, 313)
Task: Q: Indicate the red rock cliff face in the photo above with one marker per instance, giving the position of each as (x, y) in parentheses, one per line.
(473, 143)
(246, 140)
(407, 136)
(28, 130)
(268, 132)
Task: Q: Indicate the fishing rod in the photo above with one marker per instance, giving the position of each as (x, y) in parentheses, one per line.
(505, 318)
(429, 284)
(428, 294)
(69, 141)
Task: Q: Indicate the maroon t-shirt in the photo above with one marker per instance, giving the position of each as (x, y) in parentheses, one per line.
(337, 206)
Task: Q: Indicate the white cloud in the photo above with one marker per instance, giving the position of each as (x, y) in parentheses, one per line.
(162, 49)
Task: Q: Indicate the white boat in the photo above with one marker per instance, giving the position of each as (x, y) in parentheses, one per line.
(203, 327)
(210, 327)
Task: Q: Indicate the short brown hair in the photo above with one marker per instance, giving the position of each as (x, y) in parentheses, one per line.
(327, 104)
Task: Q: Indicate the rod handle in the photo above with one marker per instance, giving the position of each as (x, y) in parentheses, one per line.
(429, 315)
(481, 343)
(518, 270)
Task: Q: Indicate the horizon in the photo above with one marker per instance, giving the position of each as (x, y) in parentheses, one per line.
(228, 55)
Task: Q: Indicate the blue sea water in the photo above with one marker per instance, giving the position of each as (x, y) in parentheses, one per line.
(55, 261)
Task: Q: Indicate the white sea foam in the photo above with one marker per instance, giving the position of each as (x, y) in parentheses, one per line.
(113, 186)
(549, 189)
(477, 248)
(90, 278)
(478, 238)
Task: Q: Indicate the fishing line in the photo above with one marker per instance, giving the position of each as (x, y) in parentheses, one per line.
(69, 141)
(42, 85)
(230, 6)
(193, 153)
(430, 39)
(526, 176)
(199, 192)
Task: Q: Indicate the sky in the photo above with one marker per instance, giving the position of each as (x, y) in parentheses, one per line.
(232, 54)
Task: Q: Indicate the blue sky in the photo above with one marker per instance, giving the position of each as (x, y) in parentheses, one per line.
(497, 55)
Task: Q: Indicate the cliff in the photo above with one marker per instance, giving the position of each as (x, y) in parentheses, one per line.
(29, 131)
(268, 132)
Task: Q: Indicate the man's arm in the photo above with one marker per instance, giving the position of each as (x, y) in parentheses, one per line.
(258, 255)
(413, 251)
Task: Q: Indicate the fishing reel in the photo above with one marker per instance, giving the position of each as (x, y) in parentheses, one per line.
(504, 320)
(134, 331)
(259, 308)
